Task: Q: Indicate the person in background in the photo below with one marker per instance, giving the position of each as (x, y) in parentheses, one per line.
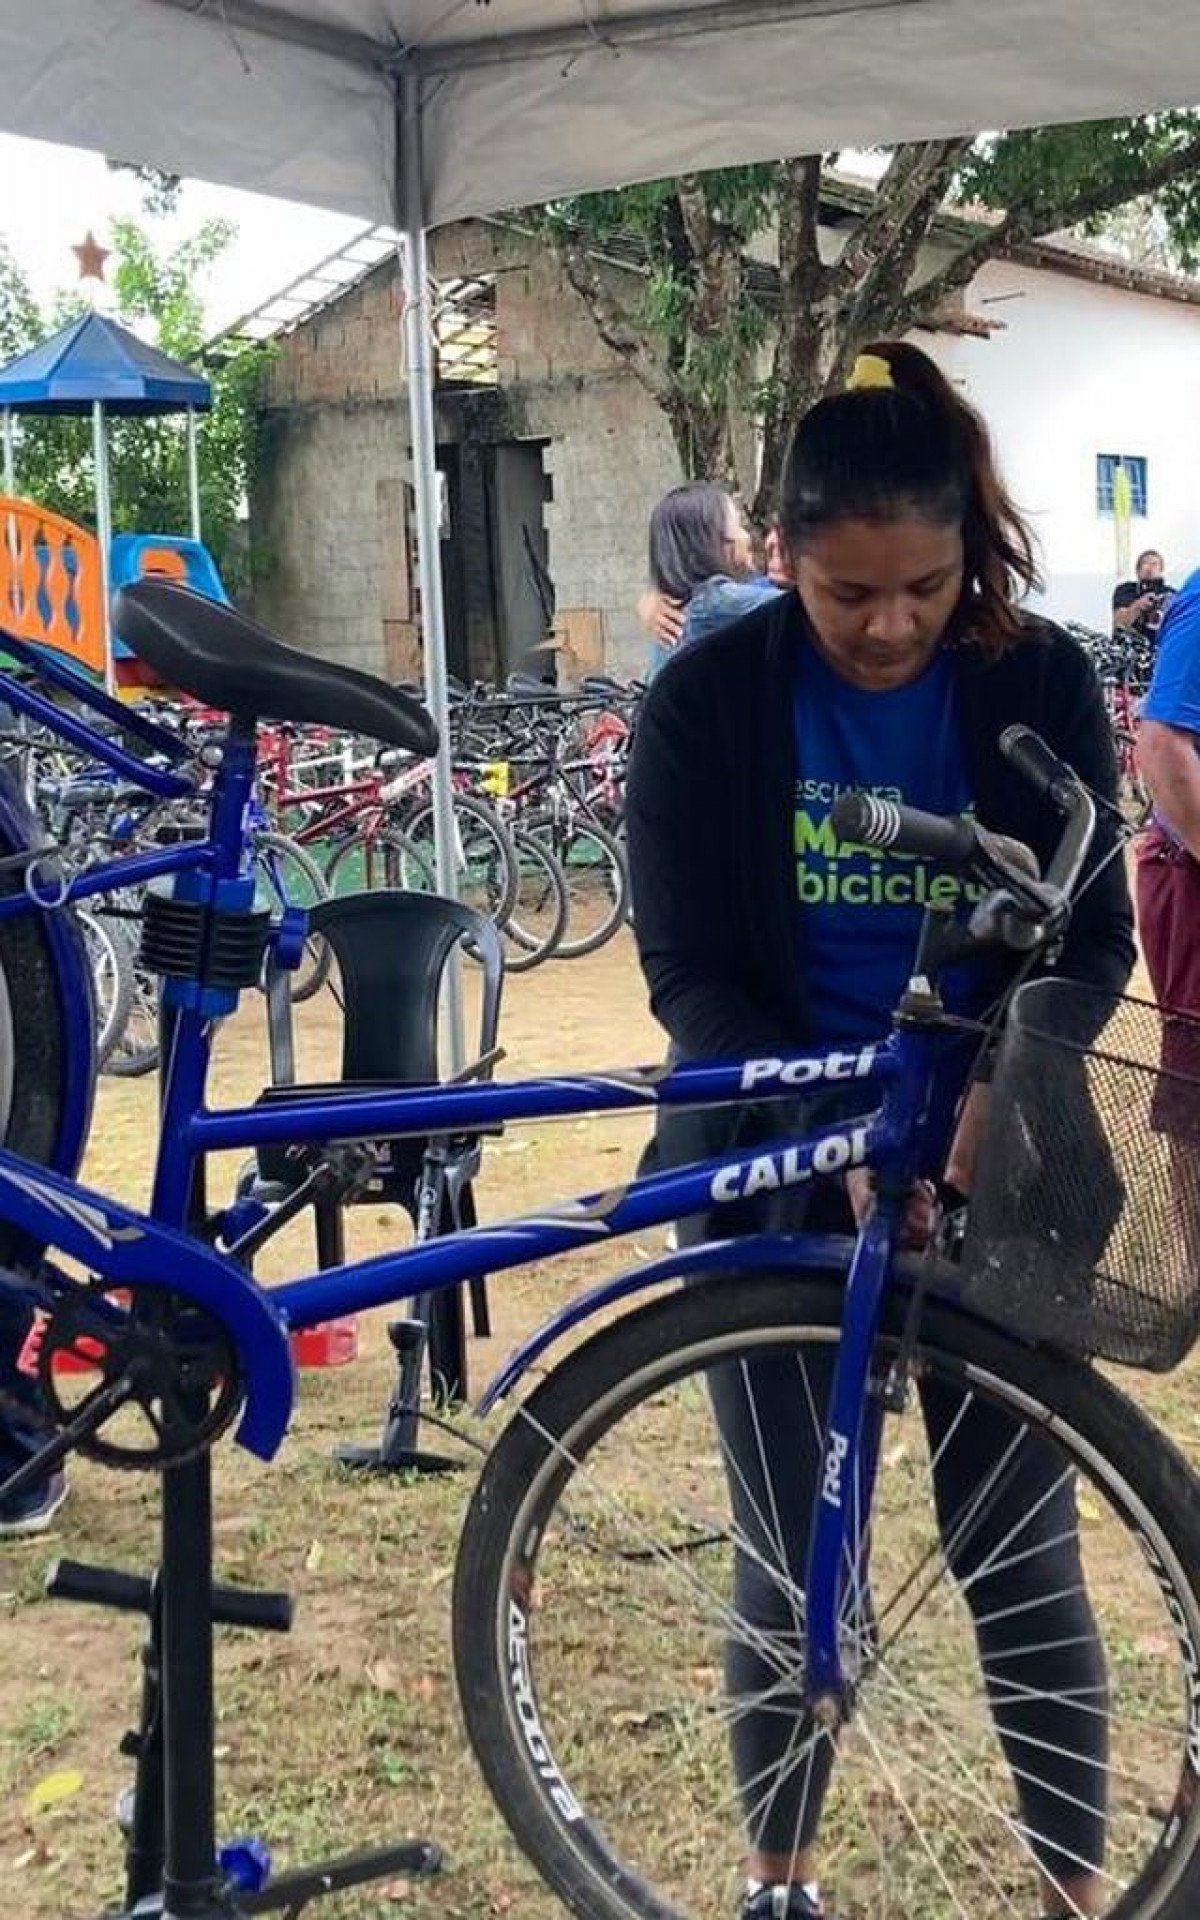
(702, 572)
(33, 1510)
(1139, 605)
(1168, 871)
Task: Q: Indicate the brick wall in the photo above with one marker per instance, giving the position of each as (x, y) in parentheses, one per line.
(326, 515)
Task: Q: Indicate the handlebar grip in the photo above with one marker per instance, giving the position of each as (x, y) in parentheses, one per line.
(1028, 753)
(867, 821)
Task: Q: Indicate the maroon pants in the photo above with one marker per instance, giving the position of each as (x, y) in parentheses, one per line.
(1168, 898)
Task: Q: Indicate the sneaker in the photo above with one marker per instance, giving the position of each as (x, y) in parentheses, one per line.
(33, 1510)
(781, 1903)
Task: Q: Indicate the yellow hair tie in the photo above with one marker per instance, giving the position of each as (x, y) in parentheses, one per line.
(870, 370)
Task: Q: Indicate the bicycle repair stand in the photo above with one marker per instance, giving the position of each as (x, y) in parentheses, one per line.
(244, 1863)
(390, 951)
(174, 1868)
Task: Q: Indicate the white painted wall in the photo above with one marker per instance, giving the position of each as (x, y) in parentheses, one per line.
(1082, 369)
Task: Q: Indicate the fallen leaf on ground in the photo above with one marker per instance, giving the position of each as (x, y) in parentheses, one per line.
(52, 1790)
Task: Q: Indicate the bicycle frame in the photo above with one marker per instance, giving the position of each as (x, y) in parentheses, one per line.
(124, 1247)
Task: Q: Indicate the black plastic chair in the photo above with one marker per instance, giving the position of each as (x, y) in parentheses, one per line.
(391, 951)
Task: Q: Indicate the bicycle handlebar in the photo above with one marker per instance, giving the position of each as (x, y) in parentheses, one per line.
(1028, 753)
(1026, 908)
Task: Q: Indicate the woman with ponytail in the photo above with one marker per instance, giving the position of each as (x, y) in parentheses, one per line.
(896, 663)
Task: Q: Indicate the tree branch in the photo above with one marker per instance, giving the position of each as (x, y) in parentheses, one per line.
(616, 327)
(799, 214)
(1032, 222)
(994, 243)
(918, 173)
(718, 262)
(874, 301)
(1038, 219)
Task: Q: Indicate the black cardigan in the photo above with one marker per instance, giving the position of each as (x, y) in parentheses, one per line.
(710, 803)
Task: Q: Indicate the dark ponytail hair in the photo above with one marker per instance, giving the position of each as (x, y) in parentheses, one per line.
(687, 538)
(882, 452)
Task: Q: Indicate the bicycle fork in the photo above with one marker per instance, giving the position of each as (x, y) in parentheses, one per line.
(839, 1541)
(836, 1580)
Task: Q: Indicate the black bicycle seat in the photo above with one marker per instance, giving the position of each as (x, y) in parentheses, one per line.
(228, 661)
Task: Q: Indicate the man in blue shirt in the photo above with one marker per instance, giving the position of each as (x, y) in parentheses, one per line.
(1169, 859)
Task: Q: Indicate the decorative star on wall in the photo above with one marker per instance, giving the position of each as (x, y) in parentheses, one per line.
(91, 257)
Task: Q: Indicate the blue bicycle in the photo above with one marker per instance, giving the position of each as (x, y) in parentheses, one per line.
(718, 1583)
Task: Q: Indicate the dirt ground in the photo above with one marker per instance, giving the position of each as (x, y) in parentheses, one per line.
(344, 1732)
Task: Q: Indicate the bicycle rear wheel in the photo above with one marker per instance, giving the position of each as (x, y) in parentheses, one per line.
(593, 866)
(595, 1610)
(111, 969)
(47, 1026)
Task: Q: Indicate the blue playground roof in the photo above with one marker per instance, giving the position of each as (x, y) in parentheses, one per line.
(95, 359)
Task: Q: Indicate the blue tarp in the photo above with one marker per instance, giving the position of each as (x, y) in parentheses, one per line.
(95, 359)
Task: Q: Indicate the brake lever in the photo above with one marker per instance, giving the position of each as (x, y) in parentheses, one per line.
(1003, 919)
(1021, 911)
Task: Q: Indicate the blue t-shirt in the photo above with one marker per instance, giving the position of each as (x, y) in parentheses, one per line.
(1174, 696)
(861, 912)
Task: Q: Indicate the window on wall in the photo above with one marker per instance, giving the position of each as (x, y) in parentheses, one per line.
(1107, 467)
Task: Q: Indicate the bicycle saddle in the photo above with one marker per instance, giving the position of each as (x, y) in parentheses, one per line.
(228, 661)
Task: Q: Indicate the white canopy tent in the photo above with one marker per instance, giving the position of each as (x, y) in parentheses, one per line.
(417, 112)
(522, 99)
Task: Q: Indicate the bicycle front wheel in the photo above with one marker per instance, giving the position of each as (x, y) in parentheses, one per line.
(629, 1626)
(387, 860)
(539, 916)
(486, 872)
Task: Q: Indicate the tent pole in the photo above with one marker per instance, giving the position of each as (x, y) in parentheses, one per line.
(103, 531)
(193, 467)
(418, 350)
(10, 463)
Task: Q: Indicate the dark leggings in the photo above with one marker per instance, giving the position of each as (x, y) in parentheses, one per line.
(1034, 1627)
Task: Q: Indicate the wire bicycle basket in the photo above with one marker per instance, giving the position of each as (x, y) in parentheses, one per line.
(1084, 1225)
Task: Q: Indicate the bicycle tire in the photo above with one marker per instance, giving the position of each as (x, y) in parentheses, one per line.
(498, 1610)
(604, 870)
(47, 1049)
(539, 916)
(312, 973)
(391, 856)
(104, 945)
(135, 1052)
(494, 891)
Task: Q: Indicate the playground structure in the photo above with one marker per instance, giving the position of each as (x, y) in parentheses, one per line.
(56, 577)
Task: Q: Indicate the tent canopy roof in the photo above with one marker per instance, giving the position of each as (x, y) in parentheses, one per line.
(96, 359)
(524, 99)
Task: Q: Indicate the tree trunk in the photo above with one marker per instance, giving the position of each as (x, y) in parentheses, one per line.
(830, 311)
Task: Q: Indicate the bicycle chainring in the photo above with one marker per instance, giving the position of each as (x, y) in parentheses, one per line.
(162, 1375)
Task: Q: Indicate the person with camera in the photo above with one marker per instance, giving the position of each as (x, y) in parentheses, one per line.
(1138, 605)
